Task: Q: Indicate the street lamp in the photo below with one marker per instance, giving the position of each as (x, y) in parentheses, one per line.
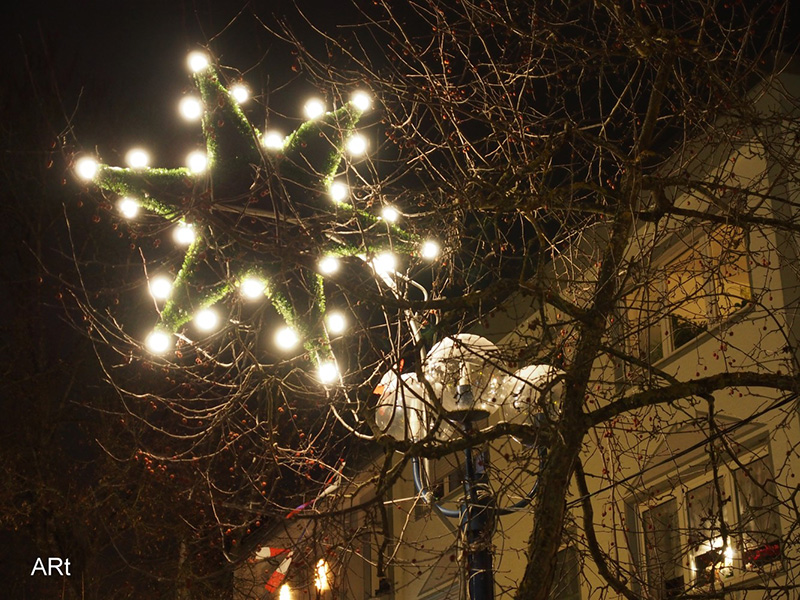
(464, 374)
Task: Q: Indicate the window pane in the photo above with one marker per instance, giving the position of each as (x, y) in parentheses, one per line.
(728, 252)
(687, 297)
(644, 326)
(566, 583)
(712, 558)
(662, 550)
(758, 515)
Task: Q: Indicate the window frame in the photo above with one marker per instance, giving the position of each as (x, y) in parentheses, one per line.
(678, 488)
(678, 248)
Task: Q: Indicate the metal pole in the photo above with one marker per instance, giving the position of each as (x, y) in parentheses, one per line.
(477, 524)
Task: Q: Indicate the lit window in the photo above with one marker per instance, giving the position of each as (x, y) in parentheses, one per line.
(686, 546)
(322, 575)
(758, 515)
(705, 284)
(710, 556)
(662, 550)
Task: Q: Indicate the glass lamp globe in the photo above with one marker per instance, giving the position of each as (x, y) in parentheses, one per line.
(399, 409)
(523, 393)
(463, 372)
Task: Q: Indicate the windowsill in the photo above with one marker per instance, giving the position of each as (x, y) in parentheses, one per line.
(741, 579)
(706, 336)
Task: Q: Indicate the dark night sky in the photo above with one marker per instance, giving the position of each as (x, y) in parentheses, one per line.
(120, 66)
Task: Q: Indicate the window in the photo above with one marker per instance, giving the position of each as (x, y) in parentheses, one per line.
(682, 532)
(757, 500)
(707, 507)
(566, 582)
(700, 284)
(662, 547)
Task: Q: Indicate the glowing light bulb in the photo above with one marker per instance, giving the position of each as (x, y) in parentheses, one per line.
(361, 100)
(191, 108)
(430, 250)
(327, 373)
(86, 168)
(314, 108)
(128, 207)
(328, 265)
(158, 342)
(240, 93)
(385, 263)
(273, 140)
(184, 234)
(252, 287)
(390, 214)
(357, 145)
(285, 592)
(728, 553)
(197, 162)
(206, 319)
(198, 61)
(336, 323)
(137, 158)
(286, 338)
(338, 191)
(160, 287)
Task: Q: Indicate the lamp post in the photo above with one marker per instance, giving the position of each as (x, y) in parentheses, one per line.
(463, 374)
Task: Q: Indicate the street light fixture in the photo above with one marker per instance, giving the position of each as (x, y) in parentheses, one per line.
(463, 372)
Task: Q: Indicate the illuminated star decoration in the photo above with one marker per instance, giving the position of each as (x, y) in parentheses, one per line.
(209, 199)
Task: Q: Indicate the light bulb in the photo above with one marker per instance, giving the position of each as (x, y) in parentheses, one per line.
(158, 342)
(252, 287)
(430, 250)
(198, 61)
(390, 214)
(361, 100)
(206, 319)
(273, 140)
(338, 191)
(240, 93)
(86, 168)
(128, 207)
(336, 323)
(314, 108)
(328, 265)
(197, 162)
(286, 338)
(191, 108)
(160, 287)
(357, 145)
(137, 158)
(184, 234)
(285, 592)
(385, 263)
(327, 372)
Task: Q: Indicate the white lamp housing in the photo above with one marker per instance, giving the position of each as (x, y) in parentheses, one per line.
(531, 390)
(400, 405)
(463, 372)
